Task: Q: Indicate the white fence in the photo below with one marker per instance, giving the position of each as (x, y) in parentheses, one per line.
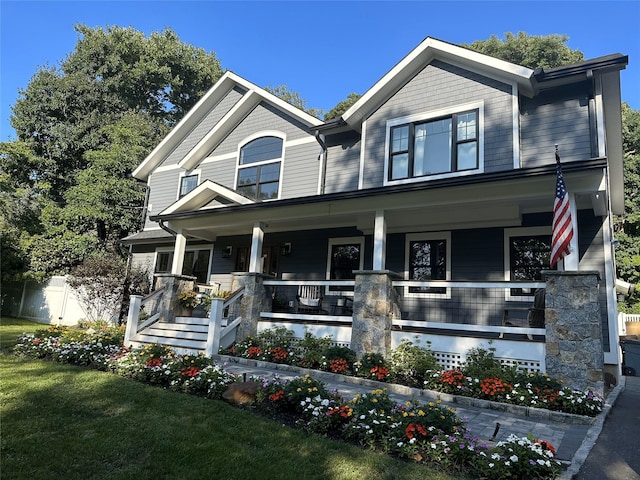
(51, 302)
(629, 324)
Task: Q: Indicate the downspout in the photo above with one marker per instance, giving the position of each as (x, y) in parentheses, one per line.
(323, 159)
(166, 228)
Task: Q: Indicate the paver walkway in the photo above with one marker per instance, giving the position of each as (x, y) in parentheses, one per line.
(569, 439)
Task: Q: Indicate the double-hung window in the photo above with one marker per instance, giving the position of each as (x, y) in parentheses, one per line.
(440, 145)
(259, 168)
(428, 258)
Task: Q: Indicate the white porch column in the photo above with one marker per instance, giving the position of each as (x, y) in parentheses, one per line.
(255, 262)
(178, 253)
(379, 241)
(571, 261)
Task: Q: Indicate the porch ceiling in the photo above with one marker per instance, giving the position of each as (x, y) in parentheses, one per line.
(486, 204)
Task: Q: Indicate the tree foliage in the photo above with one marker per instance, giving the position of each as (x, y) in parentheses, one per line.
(342, 106)
(532, 51)
(294, 98)
(82, 128)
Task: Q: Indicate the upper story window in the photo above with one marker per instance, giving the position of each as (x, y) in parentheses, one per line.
(259, 168)
(188, 183)
(435, 145)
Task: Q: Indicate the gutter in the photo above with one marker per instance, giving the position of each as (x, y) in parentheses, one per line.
(323, 159)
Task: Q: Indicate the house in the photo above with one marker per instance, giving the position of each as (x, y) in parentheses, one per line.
(423, 212)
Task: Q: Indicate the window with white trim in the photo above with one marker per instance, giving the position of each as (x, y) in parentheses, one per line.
(188, 183)
(435, 144)
(527, 254)
(345, 256)
(195, 264)
(259, 168)
(427, 258)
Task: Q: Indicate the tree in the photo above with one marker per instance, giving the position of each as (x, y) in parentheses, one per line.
(530, 51)
(342, 106)
(294, 98)
(82, 128)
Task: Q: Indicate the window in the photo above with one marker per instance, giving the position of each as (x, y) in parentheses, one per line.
(528, 253)
(188, 183)
(196, 263)
(345, 256)
(442, 145)
(428, 257)
(259, 168)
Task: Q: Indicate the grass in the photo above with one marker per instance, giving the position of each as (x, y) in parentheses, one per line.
(62, 421)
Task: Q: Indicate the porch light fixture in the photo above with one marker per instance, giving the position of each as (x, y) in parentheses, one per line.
(226, 253)
(286, 249)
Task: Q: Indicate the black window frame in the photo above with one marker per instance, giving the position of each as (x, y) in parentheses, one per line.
(437, 250)
(184, 185)
(409, 151)
(533, 265)
(255, 189)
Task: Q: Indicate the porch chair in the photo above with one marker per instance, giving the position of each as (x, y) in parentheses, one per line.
(535, 316)
(309, 299)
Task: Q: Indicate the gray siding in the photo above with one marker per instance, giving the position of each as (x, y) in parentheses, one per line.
(343, 163)
(300, 171)
(163, 191)
(263, 117)
(204, 127)
(220, 171)
(438, 86)
(543, 124)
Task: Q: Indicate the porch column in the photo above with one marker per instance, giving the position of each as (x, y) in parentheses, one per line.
(255, 262)
(375, 304)
(173, 285)
(574, 352)
(256, 299)
(178, 253)
(379, 241)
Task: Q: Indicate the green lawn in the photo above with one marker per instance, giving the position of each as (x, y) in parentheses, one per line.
(65, 422)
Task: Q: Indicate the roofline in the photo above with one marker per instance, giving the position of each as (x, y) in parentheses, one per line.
(592, 164)
(431, 48)
(216, 93)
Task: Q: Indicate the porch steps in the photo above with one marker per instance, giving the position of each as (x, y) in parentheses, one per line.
(185, 335)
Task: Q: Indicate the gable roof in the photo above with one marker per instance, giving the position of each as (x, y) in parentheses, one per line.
(431, 49)
(204, 194)
(230, 120)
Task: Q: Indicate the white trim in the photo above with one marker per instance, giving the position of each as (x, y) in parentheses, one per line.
(428, 50)
(186, 173)
(203, 194)
(600, 126)
(614, 355)
(518, 232)
(251, 138)
(425, 116)
(363, 138)
(515, 126)
(342, 241)
(412, 237)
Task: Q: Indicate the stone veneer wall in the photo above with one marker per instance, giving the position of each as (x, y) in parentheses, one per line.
(256, 299)
(173, 285)
(574, 352)
(375, 303)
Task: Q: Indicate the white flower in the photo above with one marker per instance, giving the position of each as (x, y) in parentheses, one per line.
(495, 456)
(540, 461)
(491, 465)
(400, 444)
(513, 458)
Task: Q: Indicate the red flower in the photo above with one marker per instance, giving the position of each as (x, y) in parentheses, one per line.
(37, 341)
(493, 386)
(279, 353)
(409, 431)
(190, 371)
(547, 446)
(254, 352)
(338, 366)
(380, 372)
(154, 362)
(279, 395)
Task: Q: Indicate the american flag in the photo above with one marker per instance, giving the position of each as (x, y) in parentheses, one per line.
(562, 226)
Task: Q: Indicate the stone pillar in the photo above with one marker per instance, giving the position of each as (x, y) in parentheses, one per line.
(375, 303)
(173, 285)
(574, 352)
(256, 299)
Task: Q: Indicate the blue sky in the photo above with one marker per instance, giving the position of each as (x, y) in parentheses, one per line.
(322, 50)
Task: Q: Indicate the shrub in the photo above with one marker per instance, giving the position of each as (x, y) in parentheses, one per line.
(481, 363)
(309, 351)
(373, 366)
(338, 360)
(410, 363)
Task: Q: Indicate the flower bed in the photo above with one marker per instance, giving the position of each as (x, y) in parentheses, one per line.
(427, 433)
(482, 376)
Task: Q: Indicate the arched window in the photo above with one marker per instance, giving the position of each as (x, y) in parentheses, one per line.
(259, 168)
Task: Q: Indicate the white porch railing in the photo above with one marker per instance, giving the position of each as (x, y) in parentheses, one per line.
(633, 319)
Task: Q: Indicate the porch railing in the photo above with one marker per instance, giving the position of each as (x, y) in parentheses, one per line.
(143, 308)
